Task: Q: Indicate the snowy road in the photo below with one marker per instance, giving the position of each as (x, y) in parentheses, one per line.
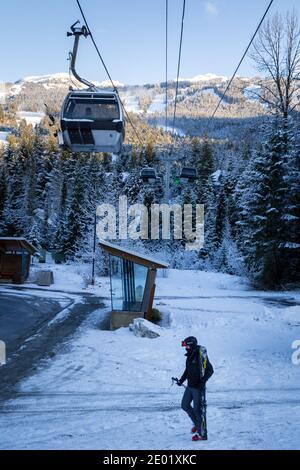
(21, 314)
(32, 323)
(112, 390)
(102, 420)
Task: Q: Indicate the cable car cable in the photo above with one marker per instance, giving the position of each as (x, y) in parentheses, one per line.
(167, 190)
(167, 45)
(107, 71)
(95, 45)
(179, 63)
(240, 63)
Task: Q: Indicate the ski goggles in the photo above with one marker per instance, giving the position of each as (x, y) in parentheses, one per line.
(184, 344)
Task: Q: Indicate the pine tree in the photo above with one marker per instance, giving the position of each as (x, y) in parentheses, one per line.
(78, 217)
(195, 151)
(133, 186)
(149, 154)
(221, 217)
(290, 247)
(227, 258)
(13, 216)
(260, 197)
(3, 192)
(210, 215)
(205, 168)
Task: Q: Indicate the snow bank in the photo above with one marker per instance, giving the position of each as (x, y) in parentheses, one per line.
(145, 329)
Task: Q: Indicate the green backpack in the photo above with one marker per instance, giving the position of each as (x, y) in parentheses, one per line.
(203, 360)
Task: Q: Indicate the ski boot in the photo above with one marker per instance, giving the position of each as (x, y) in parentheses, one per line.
(197, 437)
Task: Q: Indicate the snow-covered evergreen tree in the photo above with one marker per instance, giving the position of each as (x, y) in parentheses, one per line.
(291, 213)
(205, 168)
(261, 197)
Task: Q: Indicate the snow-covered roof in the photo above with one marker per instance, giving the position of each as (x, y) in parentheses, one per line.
(138, 258)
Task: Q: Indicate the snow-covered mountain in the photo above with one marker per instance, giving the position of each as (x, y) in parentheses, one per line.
(196, 98)
(205, 78)
(55, 80)
(63, 79)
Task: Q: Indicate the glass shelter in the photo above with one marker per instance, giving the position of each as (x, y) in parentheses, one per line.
(132, 278)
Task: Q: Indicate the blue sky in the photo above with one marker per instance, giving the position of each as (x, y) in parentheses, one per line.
(131, 37)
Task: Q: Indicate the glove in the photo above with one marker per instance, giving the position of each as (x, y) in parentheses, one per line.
(177, 381)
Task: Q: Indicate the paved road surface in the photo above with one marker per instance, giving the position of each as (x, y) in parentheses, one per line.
(30, 334)
(23, 314)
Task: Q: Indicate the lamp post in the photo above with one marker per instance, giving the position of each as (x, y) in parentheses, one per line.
(95, 238)
(94, 248)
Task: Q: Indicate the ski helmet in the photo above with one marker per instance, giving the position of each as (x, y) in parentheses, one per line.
(190, 342)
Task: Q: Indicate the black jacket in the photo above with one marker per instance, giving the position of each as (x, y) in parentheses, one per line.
(192, 371)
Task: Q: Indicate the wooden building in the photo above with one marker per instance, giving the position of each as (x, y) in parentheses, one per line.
(132, 278)
(15, 257)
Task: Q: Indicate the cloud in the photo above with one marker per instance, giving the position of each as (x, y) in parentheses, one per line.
(211, 8)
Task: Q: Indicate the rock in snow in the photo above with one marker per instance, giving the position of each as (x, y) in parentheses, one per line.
(144, 328)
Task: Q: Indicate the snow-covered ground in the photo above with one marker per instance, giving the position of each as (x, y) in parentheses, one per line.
(112, 390)
(252, 93)
(3, 138)
(158, 104)
(31, 118)
(132, 104)
(177, 131)
(209, 91)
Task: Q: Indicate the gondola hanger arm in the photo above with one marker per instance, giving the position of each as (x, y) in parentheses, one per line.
(77, 32)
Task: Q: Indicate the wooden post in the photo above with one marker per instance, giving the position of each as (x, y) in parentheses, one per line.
(151, 293)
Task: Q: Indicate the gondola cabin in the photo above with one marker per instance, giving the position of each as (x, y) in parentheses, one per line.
(188, 174)
(148, 175)
(92, 122)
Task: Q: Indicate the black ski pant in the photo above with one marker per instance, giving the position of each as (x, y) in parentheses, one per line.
(197, 413)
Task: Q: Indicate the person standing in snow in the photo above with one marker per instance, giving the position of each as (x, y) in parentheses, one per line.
(197, 372)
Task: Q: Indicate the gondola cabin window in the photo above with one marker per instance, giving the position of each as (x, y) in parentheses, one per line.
(91, 109)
